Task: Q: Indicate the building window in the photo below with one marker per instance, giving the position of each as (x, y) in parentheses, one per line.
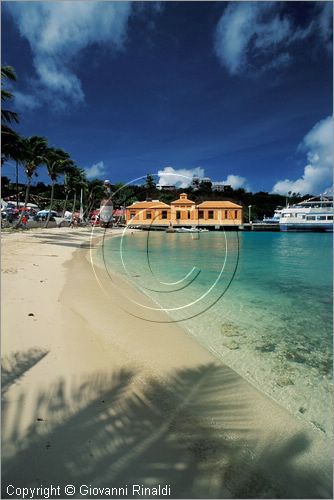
(164, 214)
(188, 214)
(178, 214)
(329, 217)
(148, 215)
(201, 214)
(210, 214)
(132, 215)
(235, 214)
(226, 214)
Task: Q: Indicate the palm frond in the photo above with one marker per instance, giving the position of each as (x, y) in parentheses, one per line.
(5, 95)
(8, 72)
(9, 116)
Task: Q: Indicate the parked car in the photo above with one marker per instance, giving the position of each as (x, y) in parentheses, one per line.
(43, 217)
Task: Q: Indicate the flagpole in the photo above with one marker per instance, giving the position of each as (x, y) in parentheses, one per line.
(81, 207)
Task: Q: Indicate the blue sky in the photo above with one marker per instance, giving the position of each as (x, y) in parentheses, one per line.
(237, 91)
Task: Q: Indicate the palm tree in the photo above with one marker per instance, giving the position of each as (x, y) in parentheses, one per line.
(9, 138)
(75, 177)
(95, 192)
(33, 151)
(11, 149)
(10, 144)
(68, 184)
(79, 181)
(56, 161)
(7, 116)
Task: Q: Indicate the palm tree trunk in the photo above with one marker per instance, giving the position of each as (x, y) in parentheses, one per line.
(17, 184)
(51, 203)
(74, 200)
(65, 203)
(89, 208)
(25, 202)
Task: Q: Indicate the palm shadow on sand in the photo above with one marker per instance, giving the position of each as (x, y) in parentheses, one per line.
(186, 431)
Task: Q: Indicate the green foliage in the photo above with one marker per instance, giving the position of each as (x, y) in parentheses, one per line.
(205, 188)
(123, 195)
(74, 179)
(32, 153)
(150, 184)
(7, 116)
(57, 162)
(9, 138)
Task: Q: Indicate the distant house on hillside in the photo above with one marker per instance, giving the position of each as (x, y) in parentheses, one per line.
(168, 187)
(220, 186)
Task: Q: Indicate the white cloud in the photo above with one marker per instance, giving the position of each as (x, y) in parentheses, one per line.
(324, 22)
(236, 182)
(256, 35)
(180, 177)
(25, 101)
(317, 176)
(58, 31)
(96, 170)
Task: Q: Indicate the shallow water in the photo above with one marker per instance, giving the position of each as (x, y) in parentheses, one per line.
(261, 302)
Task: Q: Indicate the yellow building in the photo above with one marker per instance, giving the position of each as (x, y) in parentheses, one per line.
(184, 212)
(221, 213)
(147, 213)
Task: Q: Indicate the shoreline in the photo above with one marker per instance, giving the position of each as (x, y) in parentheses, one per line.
(115, 396)
(315, 419)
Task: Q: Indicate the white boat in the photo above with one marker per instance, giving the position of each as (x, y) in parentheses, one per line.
(314, 214)
(274, 219)
(190, 230)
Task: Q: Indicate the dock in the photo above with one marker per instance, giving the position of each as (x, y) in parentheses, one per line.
(259, 226)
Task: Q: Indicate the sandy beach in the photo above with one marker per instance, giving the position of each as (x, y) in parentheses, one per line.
(95, 396)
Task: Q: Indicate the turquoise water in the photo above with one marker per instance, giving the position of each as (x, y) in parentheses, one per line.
(261, 302)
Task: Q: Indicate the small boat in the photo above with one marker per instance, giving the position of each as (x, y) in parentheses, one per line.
(190, 230)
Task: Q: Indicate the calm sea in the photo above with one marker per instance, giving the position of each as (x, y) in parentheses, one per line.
(261, 302)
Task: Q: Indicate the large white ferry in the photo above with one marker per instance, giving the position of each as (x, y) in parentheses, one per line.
(314, 214)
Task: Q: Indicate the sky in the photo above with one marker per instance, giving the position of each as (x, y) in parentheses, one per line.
(240, 92)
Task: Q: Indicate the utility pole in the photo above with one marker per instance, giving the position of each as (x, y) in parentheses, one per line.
(17, 185)
(249, 214)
